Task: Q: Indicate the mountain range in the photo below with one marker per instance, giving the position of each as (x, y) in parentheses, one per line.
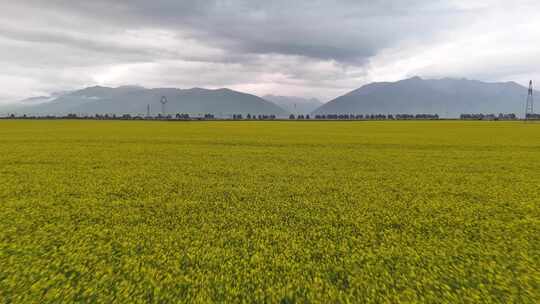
(448, 97)
(135, 99)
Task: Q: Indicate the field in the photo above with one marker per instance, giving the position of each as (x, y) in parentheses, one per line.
(141, 212)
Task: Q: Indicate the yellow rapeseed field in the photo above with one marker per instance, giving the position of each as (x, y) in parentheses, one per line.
(290, 212)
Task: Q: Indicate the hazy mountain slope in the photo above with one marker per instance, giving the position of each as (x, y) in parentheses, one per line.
(25, 104)
(295, 104)
(134, 100)
(446, 97)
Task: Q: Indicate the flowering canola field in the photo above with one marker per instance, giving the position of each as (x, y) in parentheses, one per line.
(290, 212)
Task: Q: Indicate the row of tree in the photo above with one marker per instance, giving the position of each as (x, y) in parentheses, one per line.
(185, 116)
(533, 116)
(500, 116)
(110, 117)
(254, 117)
(376, 117)
(178, 116)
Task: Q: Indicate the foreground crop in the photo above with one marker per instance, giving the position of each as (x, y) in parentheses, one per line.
(99, 211)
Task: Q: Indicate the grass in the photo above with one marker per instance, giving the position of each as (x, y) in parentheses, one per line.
(139, 212)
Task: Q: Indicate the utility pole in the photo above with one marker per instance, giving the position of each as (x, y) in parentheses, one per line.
(163, 103)
(529, 110)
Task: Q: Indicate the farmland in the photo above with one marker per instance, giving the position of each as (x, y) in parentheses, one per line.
(112, 211)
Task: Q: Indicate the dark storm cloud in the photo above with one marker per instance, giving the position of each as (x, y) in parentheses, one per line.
(337, 30)
(315, 47)
(48, 37)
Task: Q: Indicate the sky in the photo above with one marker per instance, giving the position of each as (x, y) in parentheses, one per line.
(307, 48)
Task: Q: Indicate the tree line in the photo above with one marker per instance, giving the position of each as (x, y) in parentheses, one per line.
(209, 116)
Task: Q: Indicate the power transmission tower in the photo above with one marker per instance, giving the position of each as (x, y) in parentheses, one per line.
(529, 110)
(148, 110)
(163, 103)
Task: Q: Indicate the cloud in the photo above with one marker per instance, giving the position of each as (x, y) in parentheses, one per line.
(314, 48)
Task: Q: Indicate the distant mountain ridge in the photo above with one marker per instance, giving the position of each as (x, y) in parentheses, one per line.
(134, 100)
(447, 97)
(296, 105)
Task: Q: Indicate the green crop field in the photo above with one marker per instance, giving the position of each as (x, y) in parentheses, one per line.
(290, 212)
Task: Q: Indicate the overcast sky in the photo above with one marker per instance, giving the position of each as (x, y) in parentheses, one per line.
(310, 48)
